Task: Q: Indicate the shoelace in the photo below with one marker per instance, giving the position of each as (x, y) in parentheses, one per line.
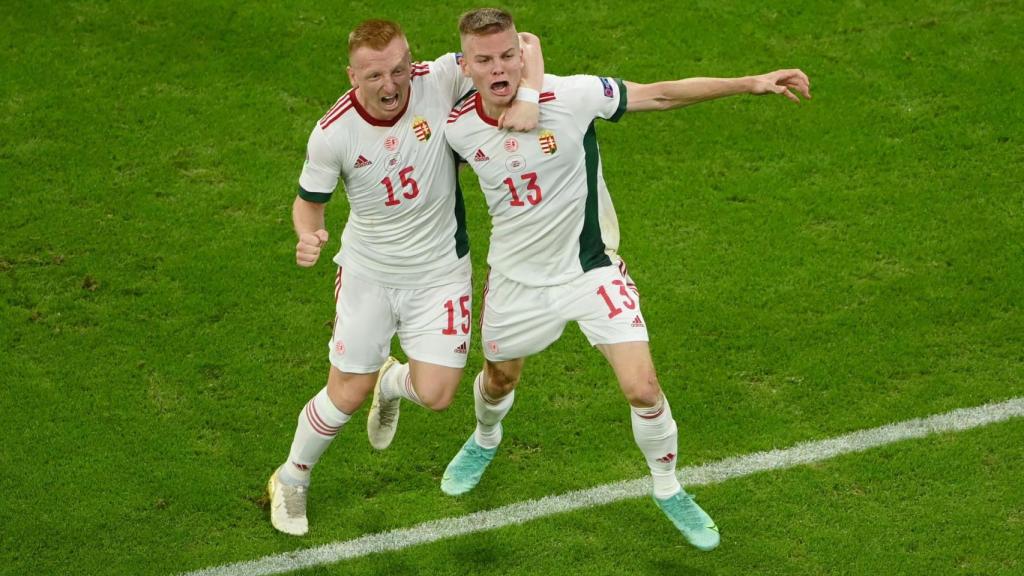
(473, 452)
(387, 411)
(691, 516)
(295, 500)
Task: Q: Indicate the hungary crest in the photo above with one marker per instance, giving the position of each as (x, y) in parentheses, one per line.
(421, 129)
(547, 142)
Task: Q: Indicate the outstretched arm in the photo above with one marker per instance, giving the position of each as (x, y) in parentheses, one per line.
(679, 93)
(523, 114)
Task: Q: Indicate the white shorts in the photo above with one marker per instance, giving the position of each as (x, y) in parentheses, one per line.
(520, 320)
(433, 324)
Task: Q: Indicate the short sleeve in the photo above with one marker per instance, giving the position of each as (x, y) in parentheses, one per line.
(322, 169)
(598, 96)
(450, 78)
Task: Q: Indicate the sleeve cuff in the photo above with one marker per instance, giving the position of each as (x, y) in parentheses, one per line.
(315, 197)
(623, 99)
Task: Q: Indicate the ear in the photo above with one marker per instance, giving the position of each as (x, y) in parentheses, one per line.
(351, 76)
(463, 64)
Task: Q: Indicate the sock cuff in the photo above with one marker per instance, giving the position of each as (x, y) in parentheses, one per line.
(481, 394)
(324, 415)
(653, 412)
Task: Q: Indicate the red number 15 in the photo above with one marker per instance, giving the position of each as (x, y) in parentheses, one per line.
(464, 309)
(407, 182)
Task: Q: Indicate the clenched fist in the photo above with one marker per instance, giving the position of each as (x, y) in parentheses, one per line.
(307, 251)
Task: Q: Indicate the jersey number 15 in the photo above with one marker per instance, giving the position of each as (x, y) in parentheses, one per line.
(404, 176)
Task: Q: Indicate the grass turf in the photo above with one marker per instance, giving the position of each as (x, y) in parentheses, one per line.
(805, 272)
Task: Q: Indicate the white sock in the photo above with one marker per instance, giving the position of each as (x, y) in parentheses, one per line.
(319, 423)
(397, 383)
(489, 412)
(655, 433)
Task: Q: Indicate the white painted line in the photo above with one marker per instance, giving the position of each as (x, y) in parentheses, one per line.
(711, 473)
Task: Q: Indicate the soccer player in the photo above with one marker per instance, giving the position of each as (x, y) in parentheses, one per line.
(554, 241)
(403, 266)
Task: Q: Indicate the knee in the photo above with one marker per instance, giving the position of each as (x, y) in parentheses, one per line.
(500, 383)
(437, 396)
(643, 389)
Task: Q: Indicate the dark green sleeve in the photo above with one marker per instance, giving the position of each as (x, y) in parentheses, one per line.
(622, 101)
(316, 197)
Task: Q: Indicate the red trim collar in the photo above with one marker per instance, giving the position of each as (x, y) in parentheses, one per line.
(483, 115)
(376, 122)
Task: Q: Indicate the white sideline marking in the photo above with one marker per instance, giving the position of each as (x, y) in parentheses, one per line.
(711, 473)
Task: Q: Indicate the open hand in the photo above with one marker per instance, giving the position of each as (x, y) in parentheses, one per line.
(781, 81)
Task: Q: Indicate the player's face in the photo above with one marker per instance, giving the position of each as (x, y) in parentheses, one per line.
(381, 78)
(495, 63)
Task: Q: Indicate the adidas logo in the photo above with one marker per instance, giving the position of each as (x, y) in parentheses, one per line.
(638, 322)
(480, 156)
(667, 458)
(362, 162)
(462, 349)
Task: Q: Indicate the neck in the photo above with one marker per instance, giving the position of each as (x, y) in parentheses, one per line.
(494, 110)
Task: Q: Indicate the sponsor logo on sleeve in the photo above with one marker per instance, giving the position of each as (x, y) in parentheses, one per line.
(609, 92)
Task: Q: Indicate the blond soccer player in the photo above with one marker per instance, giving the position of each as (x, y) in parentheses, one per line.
(554, 241)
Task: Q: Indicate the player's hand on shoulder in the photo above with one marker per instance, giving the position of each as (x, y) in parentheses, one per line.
(520, 116)
(307, 251)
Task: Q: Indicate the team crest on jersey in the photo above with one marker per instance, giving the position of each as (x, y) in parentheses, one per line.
(390, 143)
(421, 129)
(547, 142)
(511, 145)
(515, 163)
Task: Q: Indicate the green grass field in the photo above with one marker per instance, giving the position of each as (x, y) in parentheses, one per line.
(806, 271)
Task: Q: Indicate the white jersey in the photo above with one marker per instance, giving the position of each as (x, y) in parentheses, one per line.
(406, 225)
(552, 217)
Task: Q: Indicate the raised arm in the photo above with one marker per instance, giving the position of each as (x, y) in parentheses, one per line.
(522, 116)
(533, 61)
(679, 93)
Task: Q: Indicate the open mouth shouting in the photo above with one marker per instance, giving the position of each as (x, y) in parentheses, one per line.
(501, 88)
(390, 102)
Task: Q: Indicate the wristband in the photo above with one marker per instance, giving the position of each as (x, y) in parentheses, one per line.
(525, 94)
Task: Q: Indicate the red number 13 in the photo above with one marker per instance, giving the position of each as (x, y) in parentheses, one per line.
(626, 301)
(534, 197)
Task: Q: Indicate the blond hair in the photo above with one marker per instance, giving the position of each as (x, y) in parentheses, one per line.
(483, 21)
(374, 34)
